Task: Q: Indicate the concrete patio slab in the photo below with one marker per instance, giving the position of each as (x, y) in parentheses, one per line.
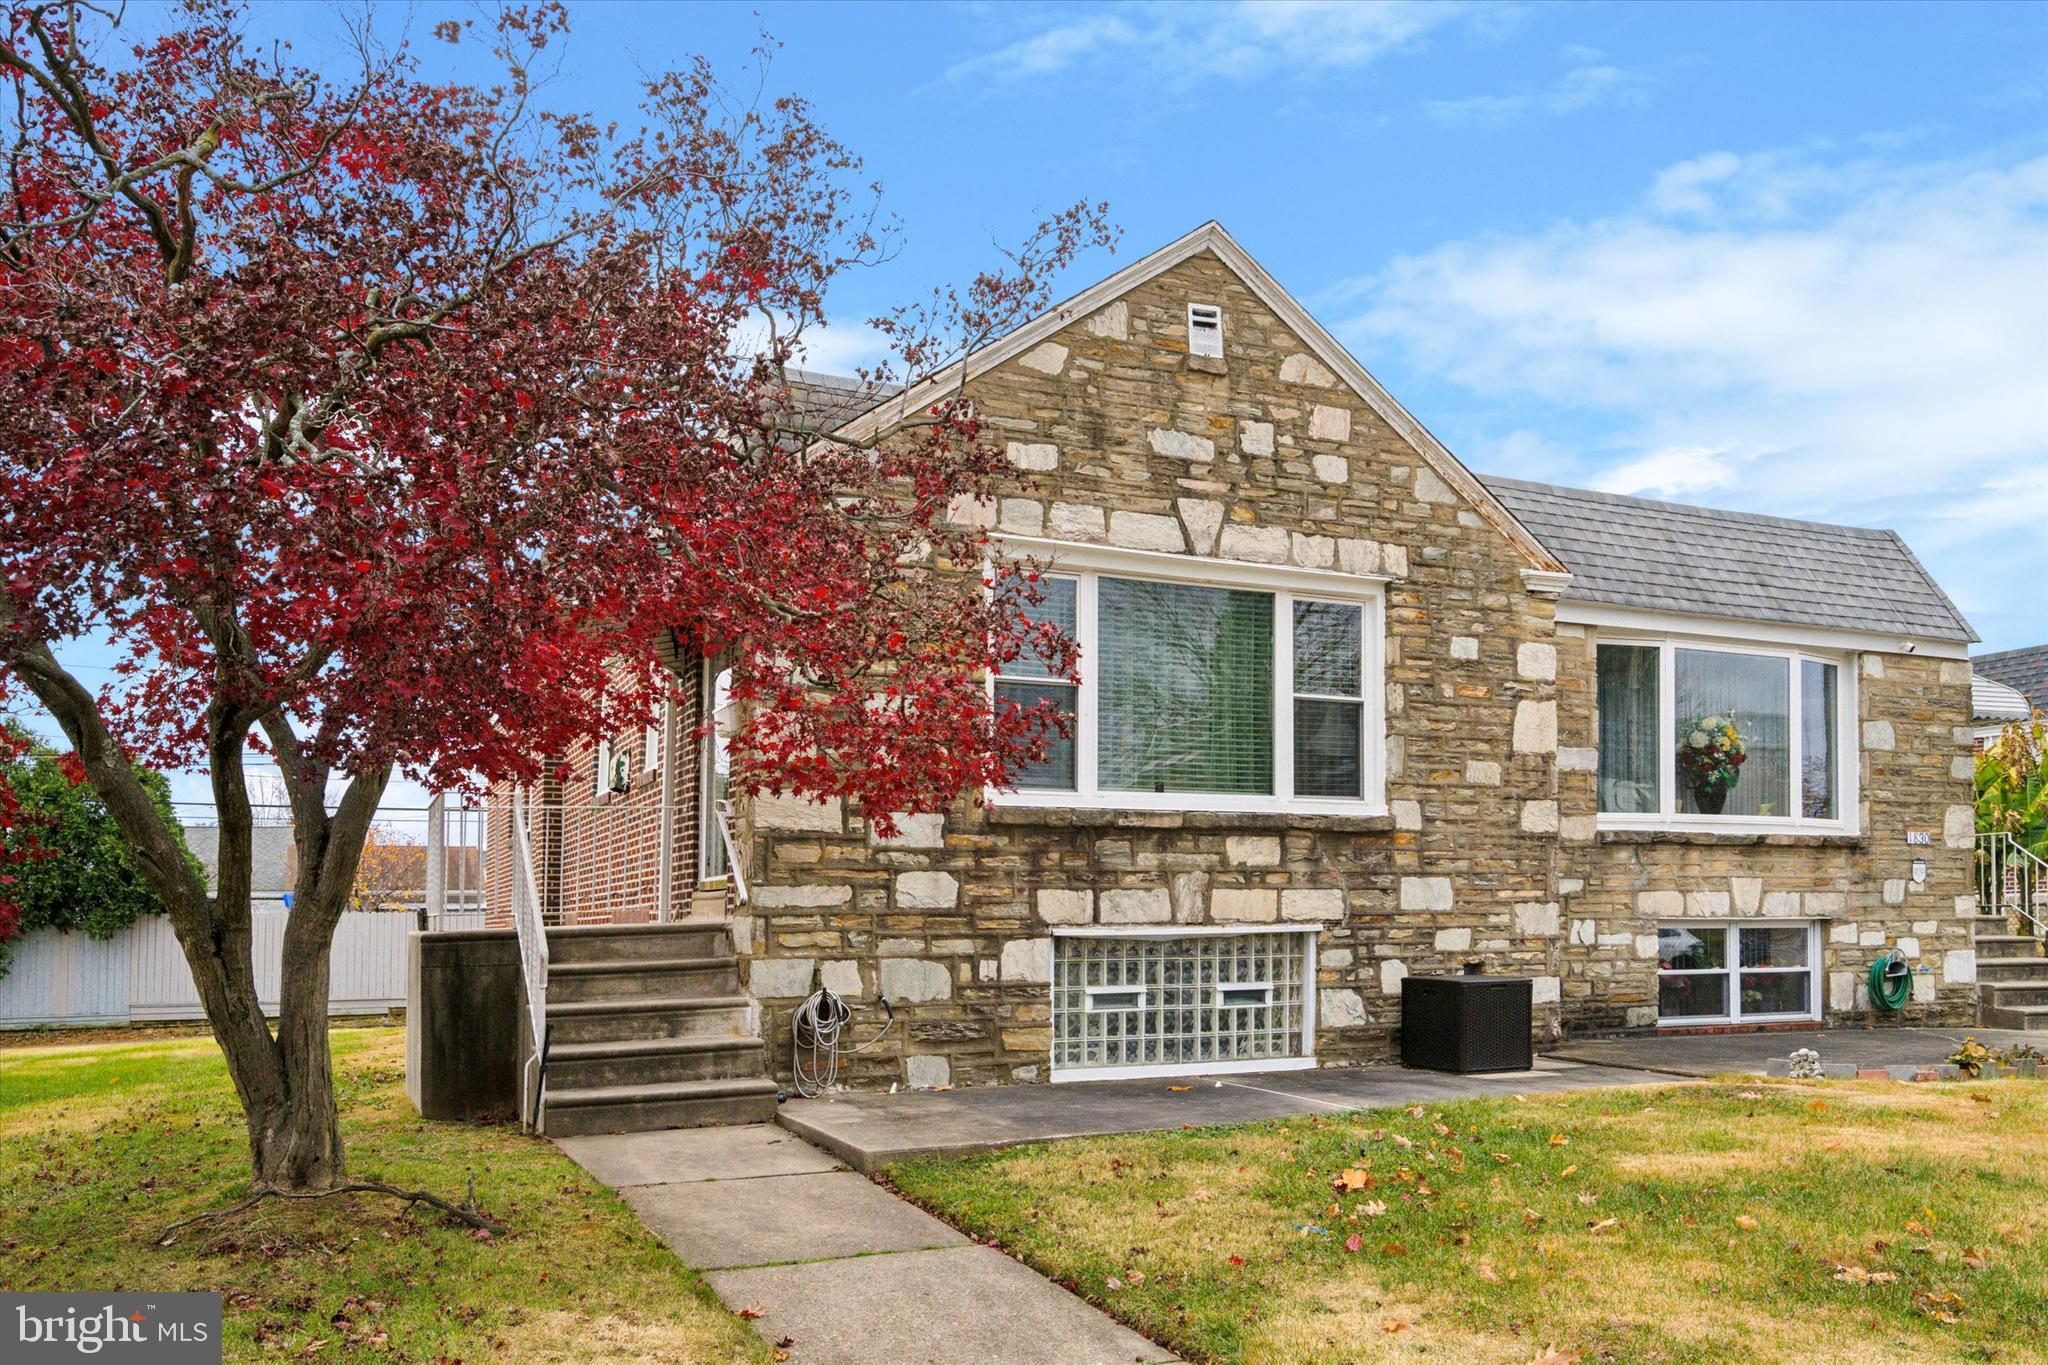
(1716, 1054)
(969, 1303)
(684, 1154)
(775, 1218)
(870, 1130)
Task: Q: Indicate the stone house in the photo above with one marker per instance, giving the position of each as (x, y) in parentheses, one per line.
(1348, 712)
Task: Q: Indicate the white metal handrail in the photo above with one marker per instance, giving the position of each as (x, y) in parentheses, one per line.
(2011, 881)
(533, 959)
(723, 811)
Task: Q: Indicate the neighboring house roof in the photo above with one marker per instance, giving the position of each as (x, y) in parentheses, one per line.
(823, 402)
(1991, 699)
(1662, 556)
(1210, 237)
(2025, 670)
(272, 856)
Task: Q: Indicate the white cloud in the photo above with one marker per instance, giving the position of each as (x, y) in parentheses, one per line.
(1589, 85)
(1834, 338)
(1234, 41)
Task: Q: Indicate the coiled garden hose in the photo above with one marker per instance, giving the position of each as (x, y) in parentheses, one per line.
(1890, 991)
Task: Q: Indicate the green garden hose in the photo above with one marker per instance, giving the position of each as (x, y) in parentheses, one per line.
(1889, 991)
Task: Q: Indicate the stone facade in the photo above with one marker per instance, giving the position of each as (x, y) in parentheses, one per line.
(1488, 849)
(1615, 886)
(1120, 438)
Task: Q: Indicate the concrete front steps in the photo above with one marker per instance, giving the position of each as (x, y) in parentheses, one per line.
(648, 1028)
(2012, 977)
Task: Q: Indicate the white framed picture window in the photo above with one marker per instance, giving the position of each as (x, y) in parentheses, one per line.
(1207, 686)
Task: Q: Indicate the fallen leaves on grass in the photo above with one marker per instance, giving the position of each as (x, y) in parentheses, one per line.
(1943, 1308)
(1354, 1243)
(1393, 1325)
(1856, 1274)
(1746, 1223)
(1976, 1258)
(750, 1312)
(1353, 1179)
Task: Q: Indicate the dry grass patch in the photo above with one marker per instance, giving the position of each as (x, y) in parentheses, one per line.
(101, 1147)
(1846, 1221)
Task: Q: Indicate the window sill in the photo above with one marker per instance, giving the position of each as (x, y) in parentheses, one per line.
(1731, 839)
(1090, 817)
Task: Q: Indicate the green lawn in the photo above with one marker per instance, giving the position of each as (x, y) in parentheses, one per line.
(1851, 1221)
(102, 1145)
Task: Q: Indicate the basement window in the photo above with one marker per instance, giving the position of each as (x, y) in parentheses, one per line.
(1205, 330)
(1181, 1001)
(1735, 973)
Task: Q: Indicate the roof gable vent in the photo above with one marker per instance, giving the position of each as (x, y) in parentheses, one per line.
(1205, 330)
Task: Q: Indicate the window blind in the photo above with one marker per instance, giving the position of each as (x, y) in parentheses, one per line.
(1329, 699)
(1056, 772)
(1185, 678)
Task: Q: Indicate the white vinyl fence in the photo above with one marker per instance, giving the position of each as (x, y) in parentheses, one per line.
(60, 979)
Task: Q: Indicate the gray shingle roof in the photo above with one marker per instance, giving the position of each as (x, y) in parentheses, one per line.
(2024, 670)
(272, 856)
(1662, 556)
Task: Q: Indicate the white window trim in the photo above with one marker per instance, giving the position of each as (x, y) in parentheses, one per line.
(1733, 972)
(1088, 563)
(1309, 937)
(1848, 753)
(603, 785)
(710, 832)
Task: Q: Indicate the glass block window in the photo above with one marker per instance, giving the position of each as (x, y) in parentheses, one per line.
(1191, 1002)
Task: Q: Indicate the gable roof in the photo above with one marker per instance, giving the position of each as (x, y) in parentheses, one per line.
(1662, 556)
(1210, 237)
(2023, 670)
(272, 856)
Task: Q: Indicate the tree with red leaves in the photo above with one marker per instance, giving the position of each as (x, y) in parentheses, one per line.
(387, 426)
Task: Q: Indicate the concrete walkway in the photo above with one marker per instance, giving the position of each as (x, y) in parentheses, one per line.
(842, 1270)
(869, 1130)
(1718, 1054)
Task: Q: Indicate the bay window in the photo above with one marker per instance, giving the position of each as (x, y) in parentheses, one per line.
(1262, 693)
(1713, 736)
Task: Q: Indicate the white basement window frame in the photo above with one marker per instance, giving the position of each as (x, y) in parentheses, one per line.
(1802, 666)
(1229, 1026)
(1712, 964)
(1085, 568)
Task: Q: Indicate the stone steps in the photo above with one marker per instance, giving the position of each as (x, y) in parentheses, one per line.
(648, 1028)
(650, 1061)
(2008, 945)
(2031, 1018)
(1991, 969)
(677, 1104)
(659, 1016)
(638, 978)
(637, 942)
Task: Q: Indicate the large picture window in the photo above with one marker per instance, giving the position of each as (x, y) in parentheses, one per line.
(1723, 973)
(1713, 736)
(1198, 695)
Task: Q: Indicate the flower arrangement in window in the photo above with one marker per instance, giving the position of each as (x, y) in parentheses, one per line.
(1710, 754)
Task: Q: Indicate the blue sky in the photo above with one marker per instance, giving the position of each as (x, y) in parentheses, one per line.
(1785, 258)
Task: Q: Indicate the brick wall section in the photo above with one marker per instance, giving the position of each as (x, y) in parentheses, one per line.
(597, 856)
(1915, 759)
(1121, 438)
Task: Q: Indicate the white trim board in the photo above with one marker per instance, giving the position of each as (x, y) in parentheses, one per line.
(1211, 237)
(1729, 630)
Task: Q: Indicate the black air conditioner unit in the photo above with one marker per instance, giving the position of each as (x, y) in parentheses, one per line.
(1466, 1023)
